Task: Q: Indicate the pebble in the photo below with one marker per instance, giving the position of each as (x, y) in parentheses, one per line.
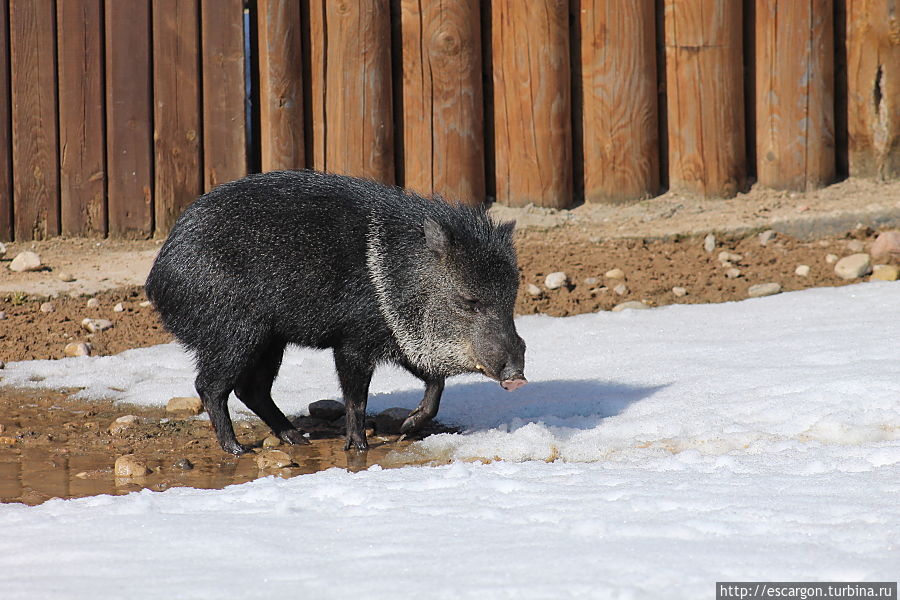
(145, 304)
(47, 307)
(273, 459)
(327, 410)
(766, 236)
(679, 292)
(764, 289)
(93, 303)
(122, 423)
(621, 289)
(831, 258)
(591, 281)
(534, 290)
(183, 464)
(271, 442)
(77, 349)
(65, 276)
(119, 307)
(184, 404)
(556, 280)
(25, 261)
(855, 246)
(630, 305)
(733, 273)
(96, 325)
(729, 257)
(802, 270)
(879, 273)
(2, 315)
(129, 466)
(886, 244)
(615, 274)
(390, 420)
(709, 243)
(853, 266)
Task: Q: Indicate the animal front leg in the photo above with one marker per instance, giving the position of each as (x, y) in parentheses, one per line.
(354, 373)
(427, 408)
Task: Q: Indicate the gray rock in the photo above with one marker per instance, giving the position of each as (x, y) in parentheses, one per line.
(590, 281)
(93, 303)
(855, 246)
(630, 305)
(65, 276)
(853, 266)
(621, 289)
(726, 256)
(679, 292)
(556, 280)
(615, 274)
(766, 236)
(802, 270)
(47, 307)
(183, 464)
(25, 261)
(327, 410)
(764, 289)
(96, 325)
(709, 243)
(389, 420)
(886, 244)
(534, 290)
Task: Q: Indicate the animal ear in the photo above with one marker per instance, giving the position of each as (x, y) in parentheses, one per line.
(436, 238)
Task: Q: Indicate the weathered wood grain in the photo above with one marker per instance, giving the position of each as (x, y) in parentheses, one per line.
(129, 119)
(620, 123)
(443, 133)
(224, 128)
(705, 97)
(873, 88)
(532, 102)
(351, 88)
(6, 185)
(82, 147)
(178, 174)
(32, 31)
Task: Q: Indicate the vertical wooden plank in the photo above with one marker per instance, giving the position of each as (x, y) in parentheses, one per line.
(442, 99)
(795, 93)
(280, 84)
(873, 88)
(351, 88)
(6, 187)
(129, 119)
(178, 175)
(82, 159)
(621, 135)
(705, 97)
(532, 102)
(224, 128)
(34, 127)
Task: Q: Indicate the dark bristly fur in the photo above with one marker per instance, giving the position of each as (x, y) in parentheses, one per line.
(328, 261)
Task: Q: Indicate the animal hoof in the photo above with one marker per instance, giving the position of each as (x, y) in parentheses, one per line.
(361, 445)
(414, 422)
(237, 449)
(294, 437)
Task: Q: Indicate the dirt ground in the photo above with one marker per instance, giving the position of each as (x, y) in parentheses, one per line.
(54, 446)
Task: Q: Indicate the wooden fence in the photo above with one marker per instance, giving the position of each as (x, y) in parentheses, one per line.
(115, 114)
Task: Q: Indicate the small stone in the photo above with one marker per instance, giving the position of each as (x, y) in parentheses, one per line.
(390, 420)
(630, 305)
(2, 315)
(556, 280)
(47, 307)
(621, 289)
(122, 423)
(679, 292)
(65, 276)
(145, 304)
(726, 264)
(93, 303)
(183, 464)
(25, 261)
(887, 244)
(725, 256)
(96, 325)
(764, 289)
(591, 281)
(327, 410)
(615, 274)
(273, 459)
(853, 266)
(855, 246)
(802, 270)
(77, 349)
(271, 442)
(879, 273)
(766, 236)
(709, 243)
(831, 258)
(733, 273)
(129, 466)
(185, 404)
(119, 307)
(534, 290)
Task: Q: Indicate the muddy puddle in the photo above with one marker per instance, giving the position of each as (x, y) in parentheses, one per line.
(53, 446)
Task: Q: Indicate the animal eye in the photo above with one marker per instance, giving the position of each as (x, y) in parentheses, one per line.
(471, 304)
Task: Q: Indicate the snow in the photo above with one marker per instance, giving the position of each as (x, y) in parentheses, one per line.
(757, 440)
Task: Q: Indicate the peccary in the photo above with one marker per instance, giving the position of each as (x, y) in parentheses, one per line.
(378, 274)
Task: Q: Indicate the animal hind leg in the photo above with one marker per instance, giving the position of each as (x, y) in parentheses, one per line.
(214, 389)
(254, 389)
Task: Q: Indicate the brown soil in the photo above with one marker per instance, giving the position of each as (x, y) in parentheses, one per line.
(652, 268)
